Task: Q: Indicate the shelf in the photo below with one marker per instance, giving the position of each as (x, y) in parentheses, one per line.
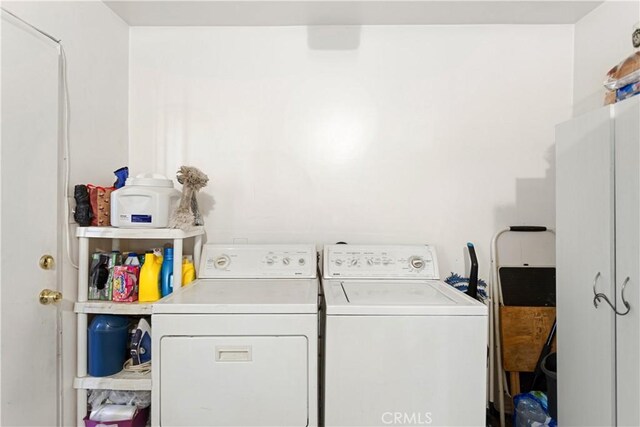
(120, 381)
(110, 307)
(137, 233)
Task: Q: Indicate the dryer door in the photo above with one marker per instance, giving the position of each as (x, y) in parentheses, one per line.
(233, 381)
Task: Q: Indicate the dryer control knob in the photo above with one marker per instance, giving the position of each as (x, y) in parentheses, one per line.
(354, 261)
(301, 261)
(269, 261)
(416, 262)
(222, 262)
(286, 260)
(338, 262)
(370, 261)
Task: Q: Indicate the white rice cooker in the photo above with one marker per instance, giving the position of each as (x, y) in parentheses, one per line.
(146, 201)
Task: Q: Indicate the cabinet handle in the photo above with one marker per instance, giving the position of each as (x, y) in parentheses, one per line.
(624, 301)
(595, 294)
(600, 296)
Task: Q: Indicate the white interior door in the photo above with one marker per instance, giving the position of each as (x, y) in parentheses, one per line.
(627, 131)
(584, 250)
(28, 226)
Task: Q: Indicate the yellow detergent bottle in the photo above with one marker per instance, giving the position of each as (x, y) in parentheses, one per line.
(149, 285)
(188, 271)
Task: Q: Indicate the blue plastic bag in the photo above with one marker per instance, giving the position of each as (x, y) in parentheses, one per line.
(532, 410)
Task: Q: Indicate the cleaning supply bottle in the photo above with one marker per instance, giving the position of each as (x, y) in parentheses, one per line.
(132, 259)
(167, 272)
(149, 288)
(188, 271)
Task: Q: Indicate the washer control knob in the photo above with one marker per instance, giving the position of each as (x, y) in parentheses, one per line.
(354, 262)
(416, 262)
(286, 260)
(338, 262)
(222, 262)
(301, 261)
(269, 261)
(370, 261)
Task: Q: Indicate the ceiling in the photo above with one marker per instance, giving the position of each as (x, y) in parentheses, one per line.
(349, 12)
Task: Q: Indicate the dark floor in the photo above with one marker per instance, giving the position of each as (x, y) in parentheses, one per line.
(493, 417)
(493, 420)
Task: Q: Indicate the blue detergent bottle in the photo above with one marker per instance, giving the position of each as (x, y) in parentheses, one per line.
(167, 272)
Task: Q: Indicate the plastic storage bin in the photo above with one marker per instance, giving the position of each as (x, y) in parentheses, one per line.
(108, 336)
(146, 201)
(139, 420)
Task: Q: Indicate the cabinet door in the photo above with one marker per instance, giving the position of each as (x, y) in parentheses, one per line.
(627, 136)
(584, 249)
(234, 381)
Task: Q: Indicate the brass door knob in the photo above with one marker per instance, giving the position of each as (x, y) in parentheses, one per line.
(46, 262)
(47, 296)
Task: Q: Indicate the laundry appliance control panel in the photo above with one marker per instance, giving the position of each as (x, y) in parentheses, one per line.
(372, 262)
(258, 261)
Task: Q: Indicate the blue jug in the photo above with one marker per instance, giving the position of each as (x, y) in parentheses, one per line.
(108, 337)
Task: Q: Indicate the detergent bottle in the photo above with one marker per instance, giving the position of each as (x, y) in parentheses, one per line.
(167, 272)
(149, 285)
(132, 259)
(188, 271)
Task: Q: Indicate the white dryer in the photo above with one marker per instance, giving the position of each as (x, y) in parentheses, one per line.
(401, 347)
(238, 347)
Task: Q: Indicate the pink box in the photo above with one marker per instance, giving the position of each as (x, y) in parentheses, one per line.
(139, 420)
(125, 283)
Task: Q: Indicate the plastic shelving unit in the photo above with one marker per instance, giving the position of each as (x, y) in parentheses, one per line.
(83, 307)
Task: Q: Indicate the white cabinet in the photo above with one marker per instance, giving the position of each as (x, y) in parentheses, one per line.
(598, 221)
(83, 307)
(627, 258)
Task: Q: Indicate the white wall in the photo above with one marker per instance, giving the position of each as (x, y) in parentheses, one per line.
(96, 42)
(407, 134)
(602, 40)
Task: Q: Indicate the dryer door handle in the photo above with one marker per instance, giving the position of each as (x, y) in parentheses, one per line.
(233, 354)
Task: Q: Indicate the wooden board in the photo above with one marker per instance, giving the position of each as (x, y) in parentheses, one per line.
(524, 331)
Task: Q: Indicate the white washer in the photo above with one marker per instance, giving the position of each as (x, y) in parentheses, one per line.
(401, 347)
(238, 347)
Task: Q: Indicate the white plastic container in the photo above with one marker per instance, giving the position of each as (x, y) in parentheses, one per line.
(146, 201)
